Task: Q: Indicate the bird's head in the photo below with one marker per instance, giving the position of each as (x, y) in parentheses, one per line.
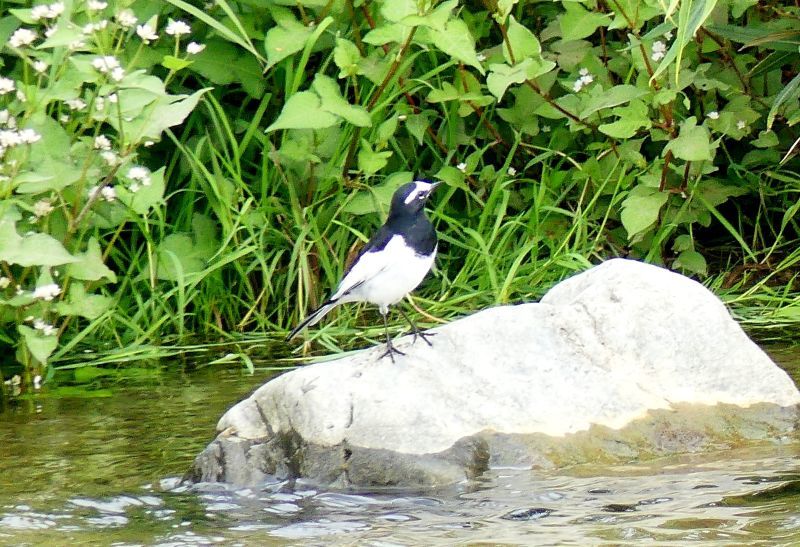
(410, 198)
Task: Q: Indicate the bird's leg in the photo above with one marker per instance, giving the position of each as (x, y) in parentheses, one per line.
(390, 349)
(416, 330)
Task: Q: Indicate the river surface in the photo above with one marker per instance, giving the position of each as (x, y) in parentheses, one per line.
(103, 467)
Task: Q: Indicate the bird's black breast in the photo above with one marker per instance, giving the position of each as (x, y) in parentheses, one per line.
(417, 231)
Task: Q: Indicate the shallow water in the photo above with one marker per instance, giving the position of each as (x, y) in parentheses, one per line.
(105, 470)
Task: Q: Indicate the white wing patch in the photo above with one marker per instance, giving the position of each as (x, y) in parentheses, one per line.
(384, 277)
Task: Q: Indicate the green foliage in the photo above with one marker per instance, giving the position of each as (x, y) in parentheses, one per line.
(566, 132)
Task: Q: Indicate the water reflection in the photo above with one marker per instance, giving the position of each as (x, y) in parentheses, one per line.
(92, 470)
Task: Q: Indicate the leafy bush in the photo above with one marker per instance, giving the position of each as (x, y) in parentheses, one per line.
(566, 132)
(75, 111)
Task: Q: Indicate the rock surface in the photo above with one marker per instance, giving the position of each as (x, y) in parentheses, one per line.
(623, 361)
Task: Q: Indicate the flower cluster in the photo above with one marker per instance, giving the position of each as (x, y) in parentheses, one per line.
(141, 177)
(659, 50)
(10, 136)
(43, 11)
(47, 292)
(584, 80)
(44, 327)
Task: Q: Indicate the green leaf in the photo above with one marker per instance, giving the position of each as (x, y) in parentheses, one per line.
(617, 95)
(501, 76)
(395, 10)
(523, 43)
(504, 8)
(716, 193)
(346, 56)
(89, 265)
(691, 16)
(693, 143)
(370, 161)
(33, 249)
(89, 306)
(418, 124)
(377, 198)
(631, 118)
(223, 64)
(766, 139)
(691, 261)
(457, 42)
(579, 23)
(640, 209)
(303, 110)
(333, 102)
(146, 197)
(174, 63)
(286, 39)
(435, 19)
(165, 112)
(38, 344)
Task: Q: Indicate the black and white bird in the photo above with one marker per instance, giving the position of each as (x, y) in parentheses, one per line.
(391, 264)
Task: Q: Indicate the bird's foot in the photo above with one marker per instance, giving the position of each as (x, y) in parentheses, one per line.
(424, 336)
(390, 351)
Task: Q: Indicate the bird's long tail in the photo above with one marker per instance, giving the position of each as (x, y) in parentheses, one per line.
(313, 318)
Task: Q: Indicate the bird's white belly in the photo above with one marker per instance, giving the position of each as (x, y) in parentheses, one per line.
(387, 275)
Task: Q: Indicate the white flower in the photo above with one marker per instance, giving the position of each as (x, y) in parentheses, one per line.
(714, 115)
(105, 64)
(22, 37)
(481, 57)
(177, 28)
(584, 80)
(6, 85)
(117, 74)
(134, 187)
(101, 142)
(146, 33)
(148, 144)
(111, 158)
(462, 167)
(4, 282)
(40, 12)
(21, 96)
(47, 292)
(545, 129)
(96, 5)
(56, 9)
(94, 27)
(29, 136)
(659, 50)
(76, 45)
(9, 138)
(40, 66)
(37, 380)
(142, 174)
(741, 124)
(46, 328)
(50, 31)
(4, 116)
(112, 98)
(109, 193)
(193, 48)
(402, 117)
(126, 19)
(511, 171)
(668, 35)
(75, 104)
(41, 208)
(99, 104)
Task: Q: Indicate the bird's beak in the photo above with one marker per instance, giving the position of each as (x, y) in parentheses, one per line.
(433, 187)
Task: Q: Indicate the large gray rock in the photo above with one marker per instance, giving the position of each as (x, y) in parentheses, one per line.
(623, 361)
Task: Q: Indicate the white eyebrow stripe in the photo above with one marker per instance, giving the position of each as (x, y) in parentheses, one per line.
(412, 196)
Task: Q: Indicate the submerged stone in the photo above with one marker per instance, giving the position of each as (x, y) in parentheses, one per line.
(622, 362)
